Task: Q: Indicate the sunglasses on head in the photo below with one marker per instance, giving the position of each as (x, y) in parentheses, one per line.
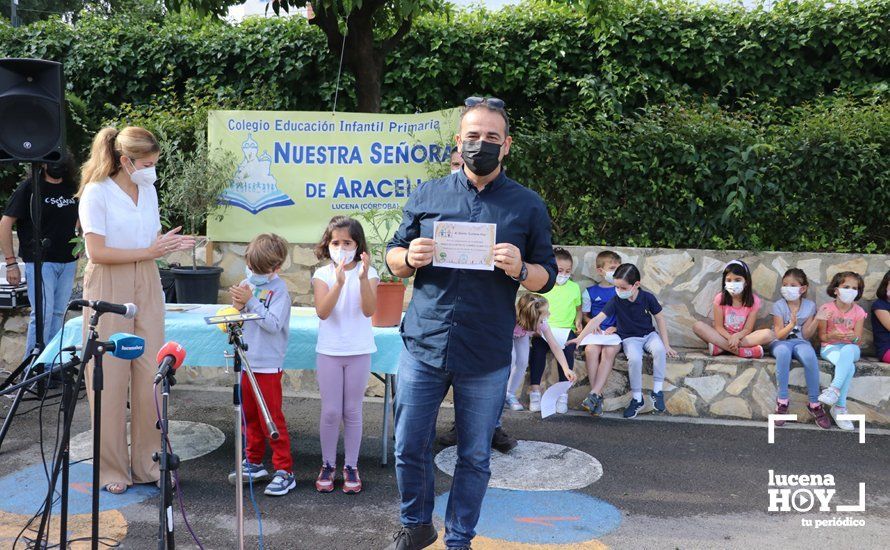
(476, 100)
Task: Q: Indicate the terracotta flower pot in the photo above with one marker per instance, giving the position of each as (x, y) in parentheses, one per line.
(390, 297)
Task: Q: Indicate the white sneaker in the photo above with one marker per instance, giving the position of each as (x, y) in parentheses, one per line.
(534, 401)
(513, 403)
(842, 424)
(562, 404)
(829, 396)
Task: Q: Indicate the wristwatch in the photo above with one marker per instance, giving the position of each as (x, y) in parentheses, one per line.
(523, 274)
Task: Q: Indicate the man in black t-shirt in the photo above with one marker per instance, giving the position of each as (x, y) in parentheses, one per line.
(58, 226)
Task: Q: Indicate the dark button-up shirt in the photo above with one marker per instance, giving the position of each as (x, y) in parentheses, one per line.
(462, 319)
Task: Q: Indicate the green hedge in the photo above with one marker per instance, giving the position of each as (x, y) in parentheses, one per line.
(704, 177)
(680, 124)
(531, 56)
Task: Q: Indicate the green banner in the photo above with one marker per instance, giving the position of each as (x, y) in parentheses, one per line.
(296, 170)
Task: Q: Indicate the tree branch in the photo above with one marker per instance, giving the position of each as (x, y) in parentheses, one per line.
(327, 22)
(394, 40)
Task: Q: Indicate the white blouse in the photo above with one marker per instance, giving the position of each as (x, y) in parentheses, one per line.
(105, 209)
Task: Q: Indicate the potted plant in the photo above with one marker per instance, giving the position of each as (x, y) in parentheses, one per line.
(379, 226)
(192, 185)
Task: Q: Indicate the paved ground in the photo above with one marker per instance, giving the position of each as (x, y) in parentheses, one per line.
(675, 485)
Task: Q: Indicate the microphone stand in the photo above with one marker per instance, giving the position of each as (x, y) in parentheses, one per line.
(167, 462)
(61, 464)
(241, 362)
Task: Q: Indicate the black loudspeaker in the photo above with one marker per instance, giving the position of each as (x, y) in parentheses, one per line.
(32, 110)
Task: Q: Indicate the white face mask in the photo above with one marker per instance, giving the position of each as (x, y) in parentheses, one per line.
(455, 171)
(735, 288)
(145, 176)
(847, 295)
(625, 294)
(791, 293)
(338, 254)
(610, 277)
(562, 279)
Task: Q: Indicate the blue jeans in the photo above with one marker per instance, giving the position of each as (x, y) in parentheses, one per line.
(802, 350)
(478, 402)
(58, 280)
(843, 357)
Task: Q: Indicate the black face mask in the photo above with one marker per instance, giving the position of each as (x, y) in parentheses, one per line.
(56, 171)
(481, 157)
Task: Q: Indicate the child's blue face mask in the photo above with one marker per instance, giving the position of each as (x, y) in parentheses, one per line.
(254, 279)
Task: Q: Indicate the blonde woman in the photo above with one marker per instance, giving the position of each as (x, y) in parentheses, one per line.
(122, 231)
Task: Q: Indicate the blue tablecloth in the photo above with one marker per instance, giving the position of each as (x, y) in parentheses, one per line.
(205, 344)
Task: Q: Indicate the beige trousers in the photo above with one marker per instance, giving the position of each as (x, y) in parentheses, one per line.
(138, 283)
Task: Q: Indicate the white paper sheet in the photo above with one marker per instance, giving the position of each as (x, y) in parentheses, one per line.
(601, 340)
(561, 335)
(464, 245)
(548, 400)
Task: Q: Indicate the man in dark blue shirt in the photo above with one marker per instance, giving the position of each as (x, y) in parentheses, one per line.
(459, 326)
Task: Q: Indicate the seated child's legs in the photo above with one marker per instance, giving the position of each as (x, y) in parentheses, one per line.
(592, 360)
(633, 349)
(537, 361)
(782, 351)
(804, 352)
(605, 360)
(843, 357)
(569, 352)
(758, 338)
(655, 347)
(710, 335)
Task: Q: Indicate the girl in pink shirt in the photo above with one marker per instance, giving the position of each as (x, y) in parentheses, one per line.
(840, 329)
(735, 312)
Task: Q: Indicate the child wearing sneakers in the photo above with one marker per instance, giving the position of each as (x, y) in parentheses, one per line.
(600, 359)
(735, 312)
(345, 298)
(633, 309)
(840, 330)
(265, 293)
(565, 313)
(532, 312)
(794, 322)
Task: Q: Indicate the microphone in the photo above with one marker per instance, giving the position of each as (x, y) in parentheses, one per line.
(127, 310)
(125, 346)
(170, 357)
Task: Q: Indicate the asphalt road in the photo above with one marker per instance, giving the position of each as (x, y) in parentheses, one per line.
(676, 485)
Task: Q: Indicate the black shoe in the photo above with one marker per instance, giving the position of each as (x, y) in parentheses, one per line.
(448, 439)
(501, 441)
(414, 538)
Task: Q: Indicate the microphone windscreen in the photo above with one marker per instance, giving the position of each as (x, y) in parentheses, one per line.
(131, 311)
(228, 310)
(174, 350)
(127, 346)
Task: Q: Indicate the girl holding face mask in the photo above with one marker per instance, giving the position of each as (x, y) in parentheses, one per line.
(735, 313)
(122, 231)
(840, 330)
(794, 322)
(345, 299)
